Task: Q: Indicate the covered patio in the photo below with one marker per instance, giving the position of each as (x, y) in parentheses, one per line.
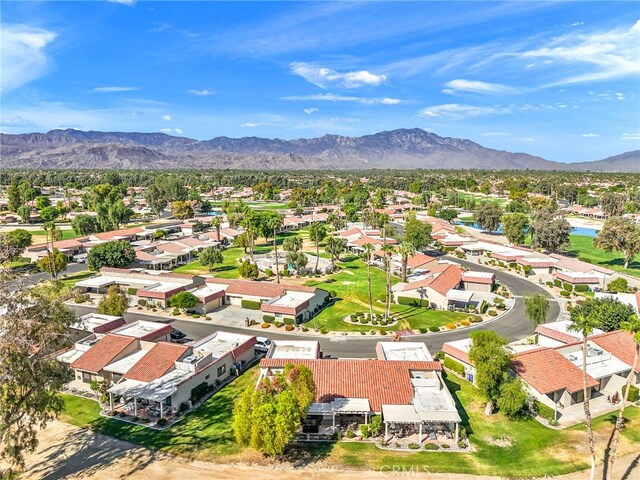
(404, 422)
(341, 414)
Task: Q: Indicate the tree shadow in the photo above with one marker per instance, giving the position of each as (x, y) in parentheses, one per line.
(634, 465)
(302, 455)
(454, 388)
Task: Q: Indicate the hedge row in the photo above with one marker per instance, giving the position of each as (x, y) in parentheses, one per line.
(634, 393)
(268, 318)
(250, 304)
(451, 364)
(413, 302)
(581, 287)
(544, 411)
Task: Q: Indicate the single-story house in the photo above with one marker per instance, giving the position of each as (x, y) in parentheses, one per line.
(440, 286)
(94, 323)
(478, 281)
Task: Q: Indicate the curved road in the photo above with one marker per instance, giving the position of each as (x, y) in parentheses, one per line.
(514, 324)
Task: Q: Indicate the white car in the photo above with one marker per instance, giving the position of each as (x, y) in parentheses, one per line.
(262, 344)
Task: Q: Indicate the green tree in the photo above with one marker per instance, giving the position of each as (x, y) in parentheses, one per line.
(42, 201)
(632, 327)
(298, 259)
(608, 313)
(550, 231)
(84, 225)
(184, 301)
(49, 214)
(53, 263)
(406, 250)
(622, 235)
(114, 302)
(619, 285)
(536, 307)
(368, 252)
(20, 238)
(273, 223)
(292, 244)
(33, 325)
(585, 324)
(182, 210)
(159, 234)
(156, 199)
(216, 222)
(335, 247)
(512, 399)
(24, 212)
(515, 227)
(13, 196)
(388, 250)
(612, 204)
(116, 254)
(487, 216)
(317, 233)
(210, 257)
(448, 214)
(242, 241)
(417, 232)
(248, 269)
(492, 360)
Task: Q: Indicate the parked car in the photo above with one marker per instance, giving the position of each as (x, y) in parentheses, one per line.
(177, 334)
(262, 344)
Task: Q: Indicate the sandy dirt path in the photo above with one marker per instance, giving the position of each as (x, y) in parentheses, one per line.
(67, 452)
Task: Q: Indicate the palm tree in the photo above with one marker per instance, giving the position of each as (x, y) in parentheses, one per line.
(52, 234)
(368, 249)
(275, 224)
(406, 250)
(388, 251)
(584, 324)
(317, 233)
(632, 326)
(335, 246)
(536, 307)
(216, 222)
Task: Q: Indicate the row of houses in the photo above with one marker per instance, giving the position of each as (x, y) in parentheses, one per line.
(280, 300)
(551, 369)
(144, 372)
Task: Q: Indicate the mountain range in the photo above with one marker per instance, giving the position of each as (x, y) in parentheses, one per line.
(397, 149)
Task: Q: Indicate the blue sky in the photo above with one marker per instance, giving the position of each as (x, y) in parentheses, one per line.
(559, 80)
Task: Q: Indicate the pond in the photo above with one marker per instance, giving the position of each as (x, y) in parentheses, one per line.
(587, 232)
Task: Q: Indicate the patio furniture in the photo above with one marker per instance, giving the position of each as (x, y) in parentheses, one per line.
(432, 435)
(448, 435)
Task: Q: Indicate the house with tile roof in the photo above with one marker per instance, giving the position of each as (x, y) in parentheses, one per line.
(403, 384)
(441, 286)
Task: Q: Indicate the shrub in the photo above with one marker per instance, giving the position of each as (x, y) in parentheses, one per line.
(289, 328)
(142, 302)
(132, 291)
(413, 446)
(363, 333)
(543, 411)
(278, 323)
(199, 391)
(175, 312)
(619, 285)
(501, 264)
(513, 265)
(289, 321)
(450, 326)
(434, 329)
(286, 273)
(375, 322)
(564, 293)
(492, 313)
(324, 331)
(557, 282)
(567, 286)
(305, 329)
(462, 444)
(634, 393)
(196, 315)
(483, 306)
(353, 316)
(375, 426)
(475, 319)
(364, 431)
(364, 321)
(265, 325)
(161, 422)
(350, 434)
(383, 332)
(407, 301)
(354, 319)
(268, 318)
(184, 406)
(465, 323)
(250, 304)
(549, 284)
(581, 287)
(383, 322)
(445, 446)
(423, 330)
(451, 364)
(268, 272)
(431, 446)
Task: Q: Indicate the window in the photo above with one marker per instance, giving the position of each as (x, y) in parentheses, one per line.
(221, 370)
(207, 377)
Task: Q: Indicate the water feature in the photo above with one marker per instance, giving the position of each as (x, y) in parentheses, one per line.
(588, 232)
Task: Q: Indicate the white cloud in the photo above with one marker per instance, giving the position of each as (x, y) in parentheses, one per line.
(455, 110)
(494, 134)
(309, 111)
(250, 125)
(461, 85)
(524, 139)
(332, 97)
(590, 135)
(325, 77)
(166, 118)
(200, 93)
(113, 89)
(166, 130)
(17, 121)
(123, 2)
(620, 95)
(631, 136)
(601, 55)
(177, 131)
(22, 54)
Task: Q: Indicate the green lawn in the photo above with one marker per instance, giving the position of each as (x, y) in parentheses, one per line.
(259, 205)
(39, 236)
(71, 280)
(205, 433)
(582, 247)
(502, 447)
(350, 286)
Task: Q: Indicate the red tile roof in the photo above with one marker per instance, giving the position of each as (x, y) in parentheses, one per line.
(456, 353)
(125, 232)
(620, 344)
(382, 382)
(547, 370)
(570, 279)
(102, 353)
(469, 277)
(258, 289)
(556, 335)
(447, 280)
(419, 259)
(156, 362)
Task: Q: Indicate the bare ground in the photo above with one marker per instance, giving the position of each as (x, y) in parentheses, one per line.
(68, 452)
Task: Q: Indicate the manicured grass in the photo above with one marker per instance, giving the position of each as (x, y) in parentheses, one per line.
(350, 287)
(204, 434)
(259, 205)
(71, 280)
(582, 247)
(40, 236)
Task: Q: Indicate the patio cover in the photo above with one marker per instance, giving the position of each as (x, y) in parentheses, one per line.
(400, 414)
(342, 405)
(155, 391)
(459, 295)
(439, 416)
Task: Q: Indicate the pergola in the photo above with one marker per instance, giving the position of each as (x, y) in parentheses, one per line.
(344, 406)
(408, 415)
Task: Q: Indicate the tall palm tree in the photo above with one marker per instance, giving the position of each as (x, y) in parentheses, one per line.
(369, 249)
(52, 234)
(584, 324)
(632, 326)
(388, 251)
(275, 224)
(216, 222)
(317, 233)
(406, 250)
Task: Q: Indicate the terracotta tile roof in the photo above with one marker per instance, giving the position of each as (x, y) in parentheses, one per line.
(576, 265)
(535, 262)
(456, 353)
(351, 231)
(102, 353)
(157, 362)
(383, 382)
(73, 242)
(258, 289)
(125, 232)
(567, 277)
(620, 344)
(469, 277)
(374, 241)
(447, 280)
(556, 335)
(419, 259)
(547, 370)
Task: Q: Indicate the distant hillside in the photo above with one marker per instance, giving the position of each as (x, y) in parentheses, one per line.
(404, 148)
